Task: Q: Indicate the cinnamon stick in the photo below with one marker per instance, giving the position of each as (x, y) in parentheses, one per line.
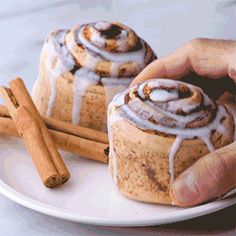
(68, 128)
(80, 131)
(89, 143)
(32, 129)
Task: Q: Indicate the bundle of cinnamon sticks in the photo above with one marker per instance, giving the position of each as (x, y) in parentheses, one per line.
(41, 135)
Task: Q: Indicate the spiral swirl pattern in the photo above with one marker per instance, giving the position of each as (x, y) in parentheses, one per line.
(170, 107)
(107, 49)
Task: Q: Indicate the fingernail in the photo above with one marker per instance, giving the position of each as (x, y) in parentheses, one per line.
(232, 72)
(185, 189)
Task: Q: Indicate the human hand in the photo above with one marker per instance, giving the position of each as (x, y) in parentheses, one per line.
(214, 174)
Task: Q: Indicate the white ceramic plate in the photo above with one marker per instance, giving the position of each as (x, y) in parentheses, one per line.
(88, 197)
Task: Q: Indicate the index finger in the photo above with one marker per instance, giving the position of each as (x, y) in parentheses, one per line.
(206, 57)
(173, 66)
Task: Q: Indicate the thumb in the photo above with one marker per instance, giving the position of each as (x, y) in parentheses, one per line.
(210, 177)
(232, 69)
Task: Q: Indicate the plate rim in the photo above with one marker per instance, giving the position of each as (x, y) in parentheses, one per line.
(69, 215)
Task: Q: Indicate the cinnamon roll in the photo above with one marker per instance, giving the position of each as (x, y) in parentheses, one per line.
(157, 130)
(83, 68)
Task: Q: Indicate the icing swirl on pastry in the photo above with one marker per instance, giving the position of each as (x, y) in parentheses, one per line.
(113, 45)
(174, 108)
(100, 51)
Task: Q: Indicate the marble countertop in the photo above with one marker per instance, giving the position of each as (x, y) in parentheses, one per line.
(166, 25)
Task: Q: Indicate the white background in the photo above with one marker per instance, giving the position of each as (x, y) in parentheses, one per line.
(165, 24)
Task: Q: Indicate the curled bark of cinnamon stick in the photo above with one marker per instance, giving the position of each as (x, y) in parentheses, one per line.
(32, 129)
(76, 130)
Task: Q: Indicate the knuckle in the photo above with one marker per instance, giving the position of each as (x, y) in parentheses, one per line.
(226, 163)
(196, 45)
(194, 49)
(197, 42)
(215, 168)
(212, 169)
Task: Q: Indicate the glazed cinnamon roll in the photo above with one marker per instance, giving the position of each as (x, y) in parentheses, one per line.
(157, 130)
(83, 68)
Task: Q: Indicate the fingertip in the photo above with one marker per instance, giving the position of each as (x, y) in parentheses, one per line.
(232, 72)
(173, 66)
(184, 191)
(147, 73)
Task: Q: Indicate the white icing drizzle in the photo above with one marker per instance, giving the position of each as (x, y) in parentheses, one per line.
(162, 95)
(207, 140)
(97, 39)
(115, 69)
(97, 42)
(53, 95)
(112, 118)
(173, 151)
(136, 56)
(186, 133)
(58, 62)
(183, 120)
(59, 59)
(121, 41)
(102, 25)
(91, 61)
(83, 79)
(142, 112)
